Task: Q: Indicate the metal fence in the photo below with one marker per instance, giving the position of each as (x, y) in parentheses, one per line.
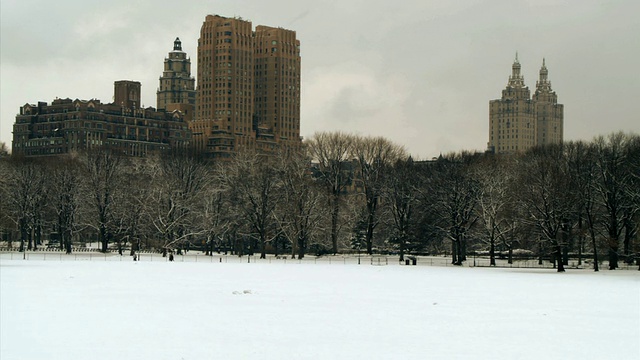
(198, 257)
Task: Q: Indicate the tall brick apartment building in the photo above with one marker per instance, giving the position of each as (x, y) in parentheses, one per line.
(248, 88)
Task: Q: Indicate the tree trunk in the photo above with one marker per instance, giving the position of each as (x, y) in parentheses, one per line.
(453, 252)
(263, 248)
(595, 256)
(30, 237)
(371, 217)
(510, 256)
(301, 246)
(369, 238)
(540, 250)
(596, 267)
(559, 259)
(23, 233)
(580, 246)
(492, 253)
(613, 257)
(334, 224)
(103, 239)
(294, 247)
(614, 243)
(37, 240)
(68, 245)
(455, 260)
(629, 233)
(61, 231)
(462, 255)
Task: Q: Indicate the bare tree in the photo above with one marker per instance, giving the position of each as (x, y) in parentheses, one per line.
(101, 169)
(374, 157)
(253, 182)
(26, 199)
(65, 178)
(301, 212)
(614, 189)
(631, 220)
(331, 151)
(582, 167)
(548, 197)
(180, 180)
(6, 188)
(131, 204)
(215, 217)
(214, 214)
(495, 177)
(400, 194)
(456, 195)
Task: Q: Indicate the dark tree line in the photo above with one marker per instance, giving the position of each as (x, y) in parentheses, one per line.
(339, 193)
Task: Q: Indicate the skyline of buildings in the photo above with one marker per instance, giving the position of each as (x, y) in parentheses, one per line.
(247, 95)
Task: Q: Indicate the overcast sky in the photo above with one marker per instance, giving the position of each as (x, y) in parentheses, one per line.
(418, 72)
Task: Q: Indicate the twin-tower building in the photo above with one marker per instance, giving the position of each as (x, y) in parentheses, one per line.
(518, 121)
(247, 93)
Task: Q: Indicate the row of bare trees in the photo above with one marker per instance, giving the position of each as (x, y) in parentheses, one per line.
(253, 203)
(341, 192)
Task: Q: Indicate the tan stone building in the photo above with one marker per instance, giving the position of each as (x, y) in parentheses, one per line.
(549, 114)
(177, 86)
(248, 88)
(518, 122)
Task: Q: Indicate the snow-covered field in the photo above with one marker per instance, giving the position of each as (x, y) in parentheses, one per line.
(186, 310)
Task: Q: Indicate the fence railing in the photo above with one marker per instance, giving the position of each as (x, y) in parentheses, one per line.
(197, 257)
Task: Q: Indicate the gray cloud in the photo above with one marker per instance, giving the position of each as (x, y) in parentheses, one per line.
(419, 72)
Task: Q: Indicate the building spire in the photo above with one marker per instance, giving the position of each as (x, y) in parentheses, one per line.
(177, 45)
(516, 80)
(543, 84)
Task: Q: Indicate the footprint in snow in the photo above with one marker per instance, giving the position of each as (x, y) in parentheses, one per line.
(243, 292)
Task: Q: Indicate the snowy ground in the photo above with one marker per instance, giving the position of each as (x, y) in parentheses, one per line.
(187, 310)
